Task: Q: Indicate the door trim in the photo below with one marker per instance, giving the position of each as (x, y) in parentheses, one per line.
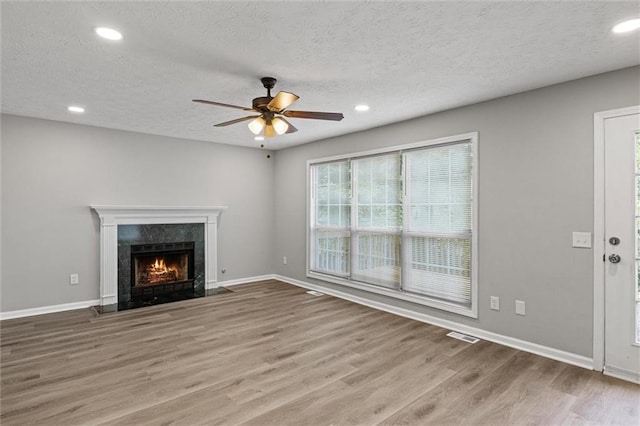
(598, 229)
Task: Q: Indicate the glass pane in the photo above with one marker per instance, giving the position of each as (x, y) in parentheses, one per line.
(364, 216)
(345, 216)
(637, 195)
(637, 322)
(322, 215)
(460, 218)
(638, 280)
(378, 259)
(637, 238)
(322, 173)
(322, 194)
(332, 194)
(637, 152)
(379, 191)
(637, 274)
(332, 252)
(440, 267)
(440, 189)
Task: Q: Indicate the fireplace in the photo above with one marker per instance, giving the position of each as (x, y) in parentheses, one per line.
(122, 227)
(162, 270)
(160, 263)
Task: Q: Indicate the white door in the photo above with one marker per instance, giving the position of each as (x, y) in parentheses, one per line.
(622, 246)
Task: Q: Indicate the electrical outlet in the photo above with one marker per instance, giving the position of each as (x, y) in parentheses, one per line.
(520, 307)
(495, 303)
(74, 279)
(284, 260)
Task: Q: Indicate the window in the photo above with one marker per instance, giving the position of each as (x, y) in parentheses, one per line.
(398, 222)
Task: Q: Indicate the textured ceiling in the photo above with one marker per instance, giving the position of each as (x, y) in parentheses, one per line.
(404, 59)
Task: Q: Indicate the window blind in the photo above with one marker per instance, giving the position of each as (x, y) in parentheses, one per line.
(399, 220)
(437, 233)
(331, 219)
(376, 226)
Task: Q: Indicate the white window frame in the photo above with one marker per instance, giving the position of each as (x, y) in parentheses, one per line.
(471, 311)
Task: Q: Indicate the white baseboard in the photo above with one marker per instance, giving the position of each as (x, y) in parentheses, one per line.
(545, 351)
(620, 373)
(80, 305)
(48, 309)
(242, 281)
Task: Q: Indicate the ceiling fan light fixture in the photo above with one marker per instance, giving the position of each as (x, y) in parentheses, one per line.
(279, 125)
(257, 125)
(269, 131)
(627, 26)
(108, 33)
(265, 121)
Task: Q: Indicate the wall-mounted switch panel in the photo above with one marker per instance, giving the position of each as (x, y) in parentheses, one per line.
(495, 303)
(74, 279)
(520, 307)
(582, 239)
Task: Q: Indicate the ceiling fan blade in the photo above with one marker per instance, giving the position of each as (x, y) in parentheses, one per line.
(291, 128)
(237, 120)
(282, 101)
(335, 116)
(202, 101)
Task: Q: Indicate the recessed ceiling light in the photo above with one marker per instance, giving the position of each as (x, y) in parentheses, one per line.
(76, 109)
(108, 33)
(626, 26)
(362, 107)
(258, 138)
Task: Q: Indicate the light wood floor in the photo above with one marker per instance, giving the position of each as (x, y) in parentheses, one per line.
(269, 354)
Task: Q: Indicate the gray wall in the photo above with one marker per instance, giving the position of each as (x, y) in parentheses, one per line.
(52, 172)
(535, 188)
(535, 179)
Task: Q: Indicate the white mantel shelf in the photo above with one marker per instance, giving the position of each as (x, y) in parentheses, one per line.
(132, 214)
(112, 216)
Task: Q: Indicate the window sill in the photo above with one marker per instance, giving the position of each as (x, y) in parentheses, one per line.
(396, 294)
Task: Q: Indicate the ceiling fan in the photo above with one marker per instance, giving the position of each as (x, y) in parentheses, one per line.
(271, 112)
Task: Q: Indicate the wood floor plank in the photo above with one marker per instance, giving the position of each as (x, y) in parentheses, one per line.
(270, 354)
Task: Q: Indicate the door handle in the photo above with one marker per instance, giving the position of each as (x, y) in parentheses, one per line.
(614, 258)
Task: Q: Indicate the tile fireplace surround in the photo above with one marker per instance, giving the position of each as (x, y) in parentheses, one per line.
(112, 216)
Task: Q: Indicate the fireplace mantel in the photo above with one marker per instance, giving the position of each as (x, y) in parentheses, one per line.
(112, 216)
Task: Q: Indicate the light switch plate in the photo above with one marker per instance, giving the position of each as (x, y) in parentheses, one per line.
(520, 307)
(495, 303)
(582, 239)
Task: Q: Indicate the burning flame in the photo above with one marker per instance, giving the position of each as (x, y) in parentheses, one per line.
(159, 265)
(160, 268)
(155, 270)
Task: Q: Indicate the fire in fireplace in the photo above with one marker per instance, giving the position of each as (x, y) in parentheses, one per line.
(161, 269)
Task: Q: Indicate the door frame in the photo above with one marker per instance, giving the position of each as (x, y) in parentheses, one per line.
(598, 229)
